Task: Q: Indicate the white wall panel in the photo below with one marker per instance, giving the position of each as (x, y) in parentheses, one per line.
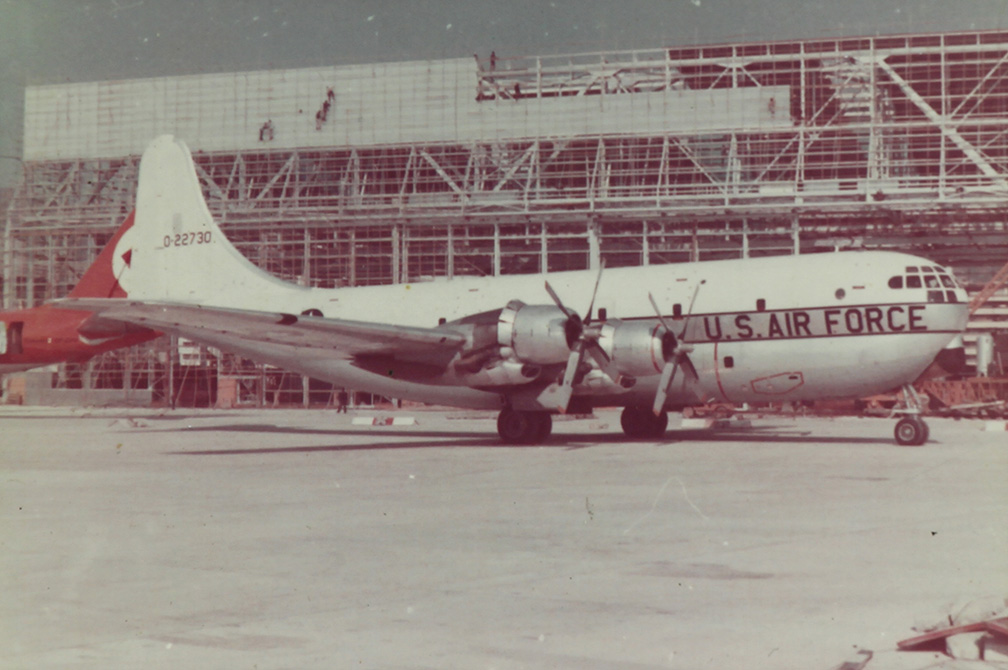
(385, 103)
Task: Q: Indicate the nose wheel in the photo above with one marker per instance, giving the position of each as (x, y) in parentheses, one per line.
(911, 431)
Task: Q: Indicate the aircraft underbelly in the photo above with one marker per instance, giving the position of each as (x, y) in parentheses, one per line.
(830, 367)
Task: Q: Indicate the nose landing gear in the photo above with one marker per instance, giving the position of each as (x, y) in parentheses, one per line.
(911, 431)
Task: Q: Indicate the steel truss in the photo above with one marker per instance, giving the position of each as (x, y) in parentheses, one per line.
(892, 141)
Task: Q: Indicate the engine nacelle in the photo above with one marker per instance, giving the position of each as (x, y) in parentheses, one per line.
(502, 373)
(535, 333)
(636, 348)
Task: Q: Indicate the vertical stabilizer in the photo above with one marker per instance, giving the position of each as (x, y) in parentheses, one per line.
(176, 252)
(100, 279)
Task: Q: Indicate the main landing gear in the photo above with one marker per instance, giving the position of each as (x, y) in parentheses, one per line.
(523, 427)
(911, 431)
(530, 427)
(640, 422)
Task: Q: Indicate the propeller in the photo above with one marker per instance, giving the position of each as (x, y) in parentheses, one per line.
(582, 338)
(675, 351)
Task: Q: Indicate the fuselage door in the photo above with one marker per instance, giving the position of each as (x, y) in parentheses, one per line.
(3, 338)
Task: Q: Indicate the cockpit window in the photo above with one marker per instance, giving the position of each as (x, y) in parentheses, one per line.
(932, 277)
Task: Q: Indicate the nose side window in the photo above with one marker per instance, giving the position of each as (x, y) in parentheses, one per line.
(896, 282)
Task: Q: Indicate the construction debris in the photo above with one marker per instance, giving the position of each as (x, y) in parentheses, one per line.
(976, 630)
(858, 662)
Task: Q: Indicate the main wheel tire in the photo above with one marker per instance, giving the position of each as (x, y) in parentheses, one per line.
(911, 431)
(640, 422)
(658, 425)
(545, 426)
(632, 422)
(518, 427)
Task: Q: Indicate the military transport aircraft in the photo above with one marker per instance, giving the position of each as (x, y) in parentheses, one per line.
(43, 335)
(664, 337)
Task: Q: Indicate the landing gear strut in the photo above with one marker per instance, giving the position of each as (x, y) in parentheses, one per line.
(640, 422)
(911, 431)
(523, 427)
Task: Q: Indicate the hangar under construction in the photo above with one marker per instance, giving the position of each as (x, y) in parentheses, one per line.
(488, 165)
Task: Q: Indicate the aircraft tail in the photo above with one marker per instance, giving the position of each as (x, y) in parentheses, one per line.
(100, 279)
(175, 251)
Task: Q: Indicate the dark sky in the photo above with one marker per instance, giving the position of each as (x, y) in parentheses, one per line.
(52, 41)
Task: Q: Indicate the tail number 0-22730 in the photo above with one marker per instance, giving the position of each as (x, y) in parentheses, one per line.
(187, 239)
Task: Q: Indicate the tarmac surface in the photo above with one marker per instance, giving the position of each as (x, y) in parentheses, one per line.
(297, 539)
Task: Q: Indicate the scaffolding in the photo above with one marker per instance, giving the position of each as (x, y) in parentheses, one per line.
(403, 172)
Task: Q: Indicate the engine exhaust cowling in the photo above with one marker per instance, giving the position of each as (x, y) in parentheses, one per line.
(636, 348)
(540, 334)
(501, 373)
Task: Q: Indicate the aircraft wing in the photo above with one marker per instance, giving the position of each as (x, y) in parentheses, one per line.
(337, 338)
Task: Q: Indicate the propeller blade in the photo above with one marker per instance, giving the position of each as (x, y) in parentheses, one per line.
(657, 311)
(559, 303)
(602, 359)
(689, 312)
(680, 355)
(598, 280)
(563, 394)
(689, 367)
(664, 386)
(580, 339)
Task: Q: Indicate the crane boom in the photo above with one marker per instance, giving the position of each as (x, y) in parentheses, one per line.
(989, 289)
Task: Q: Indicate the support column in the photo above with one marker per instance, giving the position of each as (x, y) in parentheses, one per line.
(450, 260)
(594, 244)
(543, 248)
(645, 245)
(352, 257)
(306, 260)
(496, 250)
(396, 254)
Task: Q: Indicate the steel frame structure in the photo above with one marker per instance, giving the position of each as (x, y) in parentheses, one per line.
(895, 141)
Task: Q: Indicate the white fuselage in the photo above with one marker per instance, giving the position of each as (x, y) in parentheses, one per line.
(769, 329)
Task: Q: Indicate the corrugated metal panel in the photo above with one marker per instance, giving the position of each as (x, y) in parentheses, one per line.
(387, 103)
